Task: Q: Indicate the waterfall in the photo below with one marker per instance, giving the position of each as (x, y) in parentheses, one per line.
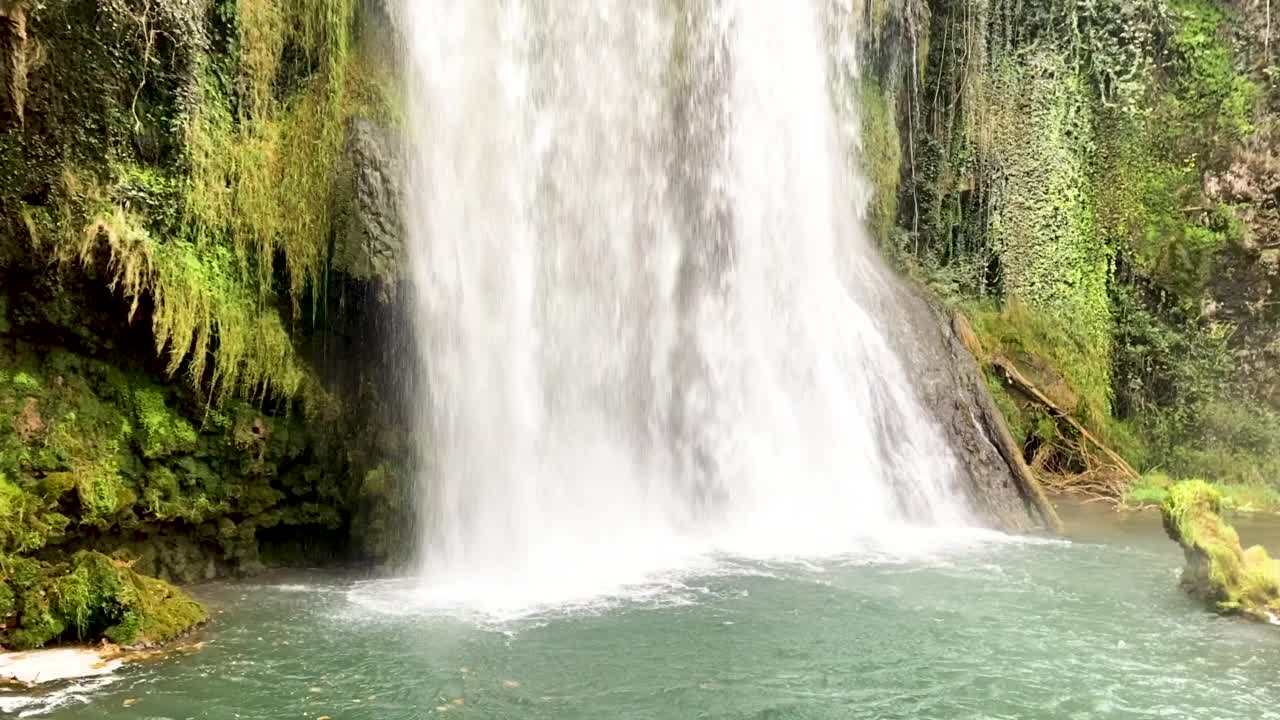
(651, 325)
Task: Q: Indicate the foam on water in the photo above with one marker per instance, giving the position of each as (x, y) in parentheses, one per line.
(658, 579)
(650, 324)
(34, 703)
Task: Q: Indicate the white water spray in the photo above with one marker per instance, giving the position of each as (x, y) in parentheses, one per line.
(648, 315)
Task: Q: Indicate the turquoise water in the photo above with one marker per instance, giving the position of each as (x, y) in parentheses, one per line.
(996, 629)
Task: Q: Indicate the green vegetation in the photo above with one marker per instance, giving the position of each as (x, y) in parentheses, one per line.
(1042, 220)
(1153, 488)
(881, 159)
(24, 380)
(175, 183)
(384, 501)
(90, 596)
(210, 242)
(1016, 330)
(103, 453)
(200, 305)
(1082, 186)
(1209, 85)
(1218, 570)
(162, 431)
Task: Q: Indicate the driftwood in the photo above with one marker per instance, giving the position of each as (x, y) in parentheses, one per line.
(1017, 380)
(997, 430)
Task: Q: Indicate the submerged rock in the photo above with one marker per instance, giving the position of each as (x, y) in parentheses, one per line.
(1219, 571)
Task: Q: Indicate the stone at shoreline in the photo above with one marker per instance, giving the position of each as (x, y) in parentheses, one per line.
(1229, 578)
(35, 667)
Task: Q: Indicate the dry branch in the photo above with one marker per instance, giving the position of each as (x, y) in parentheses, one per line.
(1029, 389)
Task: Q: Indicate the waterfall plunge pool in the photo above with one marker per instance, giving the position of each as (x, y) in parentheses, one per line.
(1092, 627)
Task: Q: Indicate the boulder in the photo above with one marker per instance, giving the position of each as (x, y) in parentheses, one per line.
(90, 597)
(1226, 576)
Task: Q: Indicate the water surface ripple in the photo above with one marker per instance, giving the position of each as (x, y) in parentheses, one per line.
(998, 630)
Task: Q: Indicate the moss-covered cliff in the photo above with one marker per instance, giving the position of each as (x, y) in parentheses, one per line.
(1095, 184)
(197, 285)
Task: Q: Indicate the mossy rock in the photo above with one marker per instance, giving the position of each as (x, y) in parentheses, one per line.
(90, 597)
(1229, 578)
(161, 431)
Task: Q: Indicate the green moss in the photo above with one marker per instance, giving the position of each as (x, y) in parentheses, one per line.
(103, 492)
(1208, 83)
(1231, 579)
(93, 596)
(202, 307)
(162, 613)
(1018, 329)
(81, 447)
(258, 119)
(881, 158)
(27, 521)
(385, 497)
(162, 431)
(1043, 224)
(24, 380)
(201, 497)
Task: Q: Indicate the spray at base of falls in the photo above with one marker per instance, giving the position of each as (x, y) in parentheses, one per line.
(649, 321)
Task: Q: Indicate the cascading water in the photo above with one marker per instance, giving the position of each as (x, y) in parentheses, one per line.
(650, 324)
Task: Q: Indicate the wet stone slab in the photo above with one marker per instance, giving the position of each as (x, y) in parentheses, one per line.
(36, 667)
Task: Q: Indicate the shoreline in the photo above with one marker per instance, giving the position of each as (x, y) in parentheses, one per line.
(28, 669)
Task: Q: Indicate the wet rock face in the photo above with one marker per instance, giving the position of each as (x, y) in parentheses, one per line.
(951, 386)
(372, 246)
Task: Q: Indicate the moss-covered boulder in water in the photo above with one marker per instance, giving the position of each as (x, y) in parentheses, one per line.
(1219, 571)
(89, 597)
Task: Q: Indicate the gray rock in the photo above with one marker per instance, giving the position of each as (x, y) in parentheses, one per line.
(370, 243)
(948, 382)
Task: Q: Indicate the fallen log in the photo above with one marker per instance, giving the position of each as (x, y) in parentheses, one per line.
(1017, 380)
(997, 431)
